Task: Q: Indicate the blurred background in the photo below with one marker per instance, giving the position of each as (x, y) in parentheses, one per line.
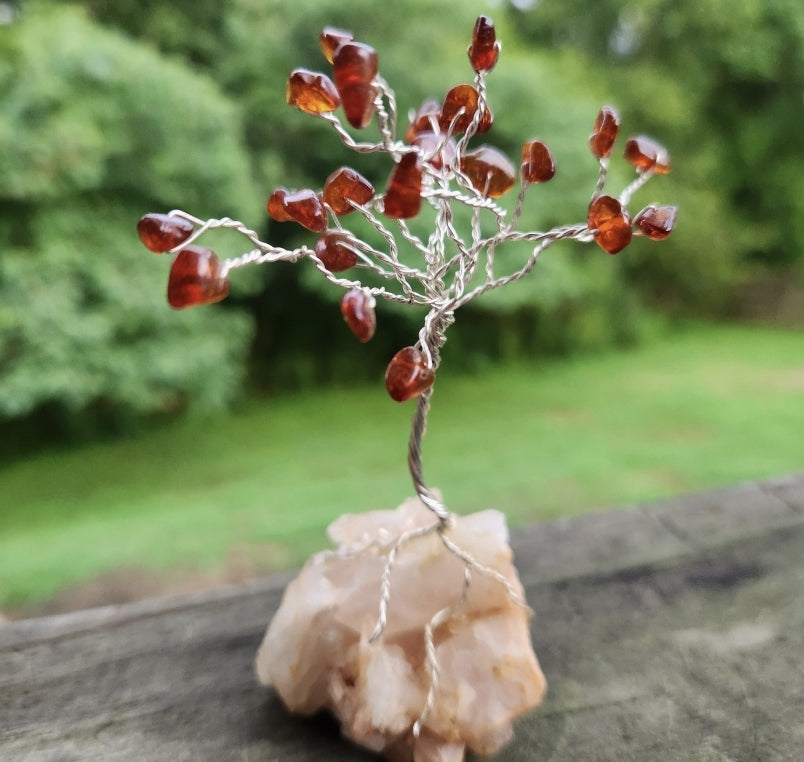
(145, 450)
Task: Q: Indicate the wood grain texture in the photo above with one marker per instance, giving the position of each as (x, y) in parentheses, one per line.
(670, 631)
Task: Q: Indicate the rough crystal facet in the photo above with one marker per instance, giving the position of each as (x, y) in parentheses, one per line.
(656, 222)
(311, 92)
(161, 232)
(403, 197)
(537, 164)
(336, 251)
(345, 185)
(408, 375)
(317, 653)
(461, 104)
(607, 215)
(645, 154)
(195, 278)
(489, 171)
(355, 67)
(604, 133)
(357, 308)
(330, 38)
(484, 50)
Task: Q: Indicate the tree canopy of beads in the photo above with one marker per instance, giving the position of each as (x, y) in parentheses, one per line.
(433, 163)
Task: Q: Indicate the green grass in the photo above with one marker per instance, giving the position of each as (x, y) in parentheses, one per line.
(704, 407)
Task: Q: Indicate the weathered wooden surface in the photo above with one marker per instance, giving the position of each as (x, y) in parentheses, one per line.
(672, 631)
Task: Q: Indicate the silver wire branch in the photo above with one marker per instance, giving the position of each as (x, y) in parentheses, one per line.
(431, 657)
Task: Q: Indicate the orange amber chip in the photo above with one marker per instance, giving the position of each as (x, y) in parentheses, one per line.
(357, 308)
(330, 38)
(355, 67)
(336, 251)
(645, 153)
(489, 171)
(311, 92)
(484, 50)
(302, 206)
(345, 185)
(161, 232)
(656, 222)
(276, 205)
(604, 133)
(607, 216)
(195, 278)
(537, 164)
(403, 197)
(425, 119)
(461, 104)
(408, 374)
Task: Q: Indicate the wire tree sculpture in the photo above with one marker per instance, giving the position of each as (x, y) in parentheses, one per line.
(433, 166)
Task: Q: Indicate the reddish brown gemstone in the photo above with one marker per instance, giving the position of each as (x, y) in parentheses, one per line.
(330, 38)
(611, 221)
(537, 164)
(336, 251)
(161, 232)
(604, 133)
(357, 308)
(311, 92)
(408, 374)
(345, 185)
(276, 205)
(195, 278)
(489, 171)
(302, 206)
(403, 197)
(645, 154)
(484, 50)
(656, 222)
(355, 67)
(462, 102)
(429, 144)
(424, 120)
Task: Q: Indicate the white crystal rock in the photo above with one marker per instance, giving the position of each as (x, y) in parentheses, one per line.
(317, 654)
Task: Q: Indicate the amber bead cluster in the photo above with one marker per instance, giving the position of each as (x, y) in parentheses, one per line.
(434, 164)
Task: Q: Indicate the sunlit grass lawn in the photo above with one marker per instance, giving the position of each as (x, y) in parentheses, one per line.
(708, 406)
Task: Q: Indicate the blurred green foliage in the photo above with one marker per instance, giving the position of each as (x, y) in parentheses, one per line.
(110, 110)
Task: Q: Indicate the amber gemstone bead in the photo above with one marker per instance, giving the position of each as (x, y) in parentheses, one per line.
(429, 143)
(408, 374)
(607, 216)
(330, 38)
(195, 278)
(425, 119)
(656, 222)
(311, 92)
(336, 251)
(604, 133)
(462, 102)
(645, 154)
(345, 185)
(276, 205)
(484, 50)
(357, 308)
(161, 232)
(355, 67)
(302, 206)
(489, 171)
(537, 163)
(403, 197)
